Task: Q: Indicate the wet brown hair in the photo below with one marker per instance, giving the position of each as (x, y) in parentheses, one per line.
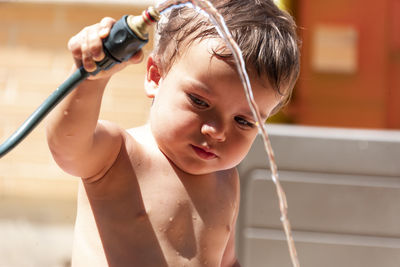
(265, 34)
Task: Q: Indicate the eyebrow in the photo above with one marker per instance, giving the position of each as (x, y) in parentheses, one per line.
(262, 114)
(198, 85)
(206, 89)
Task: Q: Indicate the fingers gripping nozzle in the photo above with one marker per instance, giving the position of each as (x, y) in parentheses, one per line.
(127, 36)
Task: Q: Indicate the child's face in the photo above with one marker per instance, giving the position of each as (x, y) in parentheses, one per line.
(200, 117)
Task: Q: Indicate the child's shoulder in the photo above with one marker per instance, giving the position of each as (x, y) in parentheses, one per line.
(139, 142)
(140, 137)
(141, 133)
(134, 151)
(230, 177)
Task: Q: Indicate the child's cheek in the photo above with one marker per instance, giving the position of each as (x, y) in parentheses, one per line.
(189, 119)
(240, 143)
(188, 113)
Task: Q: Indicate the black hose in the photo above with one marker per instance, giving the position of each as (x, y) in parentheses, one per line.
(38, 115)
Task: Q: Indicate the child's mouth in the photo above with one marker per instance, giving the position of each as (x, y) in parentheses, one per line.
(202, 153)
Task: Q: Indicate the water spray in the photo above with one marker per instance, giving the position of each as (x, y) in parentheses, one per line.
(127, 36)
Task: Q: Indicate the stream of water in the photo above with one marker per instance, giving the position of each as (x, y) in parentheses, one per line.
(207, 9)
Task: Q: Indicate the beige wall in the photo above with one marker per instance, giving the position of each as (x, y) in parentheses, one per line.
(33, 61)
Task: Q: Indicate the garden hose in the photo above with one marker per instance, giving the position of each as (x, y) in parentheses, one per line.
(127, 36)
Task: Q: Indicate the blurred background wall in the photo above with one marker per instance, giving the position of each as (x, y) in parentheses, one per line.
(350, 74)
(350, 77)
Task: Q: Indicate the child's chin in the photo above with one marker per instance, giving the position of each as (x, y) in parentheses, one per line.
(194, 169)
(203, 170)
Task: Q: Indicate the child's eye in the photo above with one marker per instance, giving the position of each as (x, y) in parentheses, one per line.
(197, 101)
(242, 122)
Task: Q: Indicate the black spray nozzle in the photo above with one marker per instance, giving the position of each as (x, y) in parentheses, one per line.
(127, 36)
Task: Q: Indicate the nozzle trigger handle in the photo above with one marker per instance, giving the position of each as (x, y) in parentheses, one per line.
(120, 45)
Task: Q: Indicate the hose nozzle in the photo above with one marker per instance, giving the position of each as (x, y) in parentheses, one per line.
(139, 24)
(127, 36)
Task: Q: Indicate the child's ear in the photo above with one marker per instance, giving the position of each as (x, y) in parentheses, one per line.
(153, 77)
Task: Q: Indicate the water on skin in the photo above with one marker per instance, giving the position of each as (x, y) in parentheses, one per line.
(206, 8)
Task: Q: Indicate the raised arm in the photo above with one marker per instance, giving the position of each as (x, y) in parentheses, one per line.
(80, 144)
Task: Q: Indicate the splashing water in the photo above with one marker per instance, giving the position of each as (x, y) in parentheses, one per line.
(208, 10)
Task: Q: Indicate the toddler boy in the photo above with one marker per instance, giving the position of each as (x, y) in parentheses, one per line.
(167, 193)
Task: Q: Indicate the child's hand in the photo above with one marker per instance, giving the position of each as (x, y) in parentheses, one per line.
(87, 47)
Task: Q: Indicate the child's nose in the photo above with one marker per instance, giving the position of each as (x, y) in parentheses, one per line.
(214, 131)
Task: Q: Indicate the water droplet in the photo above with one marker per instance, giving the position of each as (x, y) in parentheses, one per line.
(148, 209)
(171, 219)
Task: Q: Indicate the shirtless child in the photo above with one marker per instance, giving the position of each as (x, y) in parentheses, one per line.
(167, 193)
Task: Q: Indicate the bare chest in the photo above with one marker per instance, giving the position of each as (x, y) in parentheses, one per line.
(192, 216)
(153, 216)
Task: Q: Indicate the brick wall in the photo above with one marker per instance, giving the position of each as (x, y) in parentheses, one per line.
(33, 61)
